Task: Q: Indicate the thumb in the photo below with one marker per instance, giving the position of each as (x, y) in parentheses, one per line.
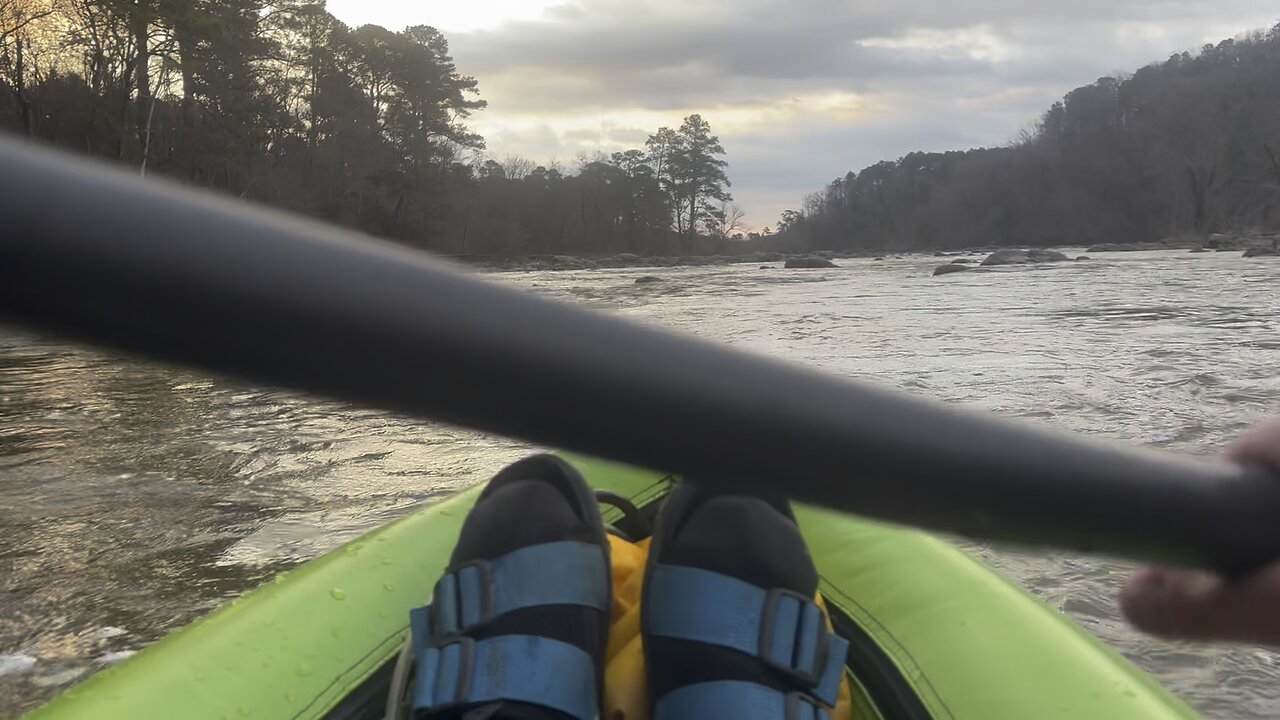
(1196, 605)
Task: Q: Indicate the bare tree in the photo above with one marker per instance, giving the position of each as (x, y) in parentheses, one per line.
(724, 221)
(516, 167)
(18, 67)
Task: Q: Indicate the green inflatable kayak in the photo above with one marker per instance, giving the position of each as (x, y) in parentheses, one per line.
(933, 633)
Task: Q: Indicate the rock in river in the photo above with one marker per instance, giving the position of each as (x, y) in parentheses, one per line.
(648, 279)
(950, 268)
(1023, 257)
(810, 262)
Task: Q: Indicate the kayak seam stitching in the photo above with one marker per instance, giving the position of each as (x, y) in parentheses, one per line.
(645, 495)
(885, 632)
(353, 666)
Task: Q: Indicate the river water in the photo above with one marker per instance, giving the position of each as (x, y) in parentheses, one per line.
(134, 497)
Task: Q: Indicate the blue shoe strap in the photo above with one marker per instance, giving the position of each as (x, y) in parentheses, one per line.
(518, 668)
(558, 573)
(736, 699)
(787, 631)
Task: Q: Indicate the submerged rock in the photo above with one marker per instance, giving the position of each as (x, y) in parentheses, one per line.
(1023, 257)
(809, 262)
(963, 261)
(1082, 257)
(1261, 252)
(950, 268)
(643, 279)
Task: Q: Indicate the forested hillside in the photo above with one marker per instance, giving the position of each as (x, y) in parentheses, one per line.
(1188, 146)
(279, 102)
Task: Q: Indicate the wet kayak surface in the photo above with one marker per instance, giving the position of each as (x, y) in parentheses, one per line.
(135, 497)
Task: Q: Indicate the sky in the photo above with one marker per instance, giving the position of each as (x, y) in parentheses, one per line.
(799, 91)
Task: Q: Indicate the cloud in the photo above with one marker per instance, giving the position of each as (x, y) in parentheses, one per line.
(803, 91)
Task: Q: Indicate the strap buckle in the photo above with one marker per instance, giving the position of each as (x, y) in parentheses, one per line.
(461, 600)
(793, 636)
(517, 668)
(444, 675)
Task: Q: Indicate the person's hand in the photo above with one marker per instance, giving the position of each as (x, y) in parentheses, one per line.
(1196, 605)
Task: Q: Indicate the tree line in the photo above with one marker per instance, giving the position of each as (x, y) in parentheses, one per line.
(1185, 147)
(279, 102)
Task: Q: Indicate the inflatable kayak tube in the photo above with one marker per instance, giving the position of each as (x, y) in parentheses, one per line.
(933, 633)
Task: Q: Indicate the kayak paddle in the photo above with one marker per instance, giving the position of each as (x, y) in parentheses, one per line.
(235, 288)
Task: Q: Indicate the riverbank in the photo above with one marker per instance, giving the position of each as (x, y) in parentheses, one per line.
(1219, 242)
(630, 260)
(1256, 243)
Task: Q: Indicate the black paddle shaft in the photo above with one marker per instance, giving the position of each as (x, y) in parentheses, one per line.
(233, 288)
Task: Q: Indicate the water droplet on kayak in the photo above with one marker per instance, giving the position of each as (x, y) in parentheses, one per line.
(388, 586)
(354, 548)
(242, 711)
(338, 594)
(380, 539)
(290, 697)
(386, 561)
(1129, 693)
(304, 670)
